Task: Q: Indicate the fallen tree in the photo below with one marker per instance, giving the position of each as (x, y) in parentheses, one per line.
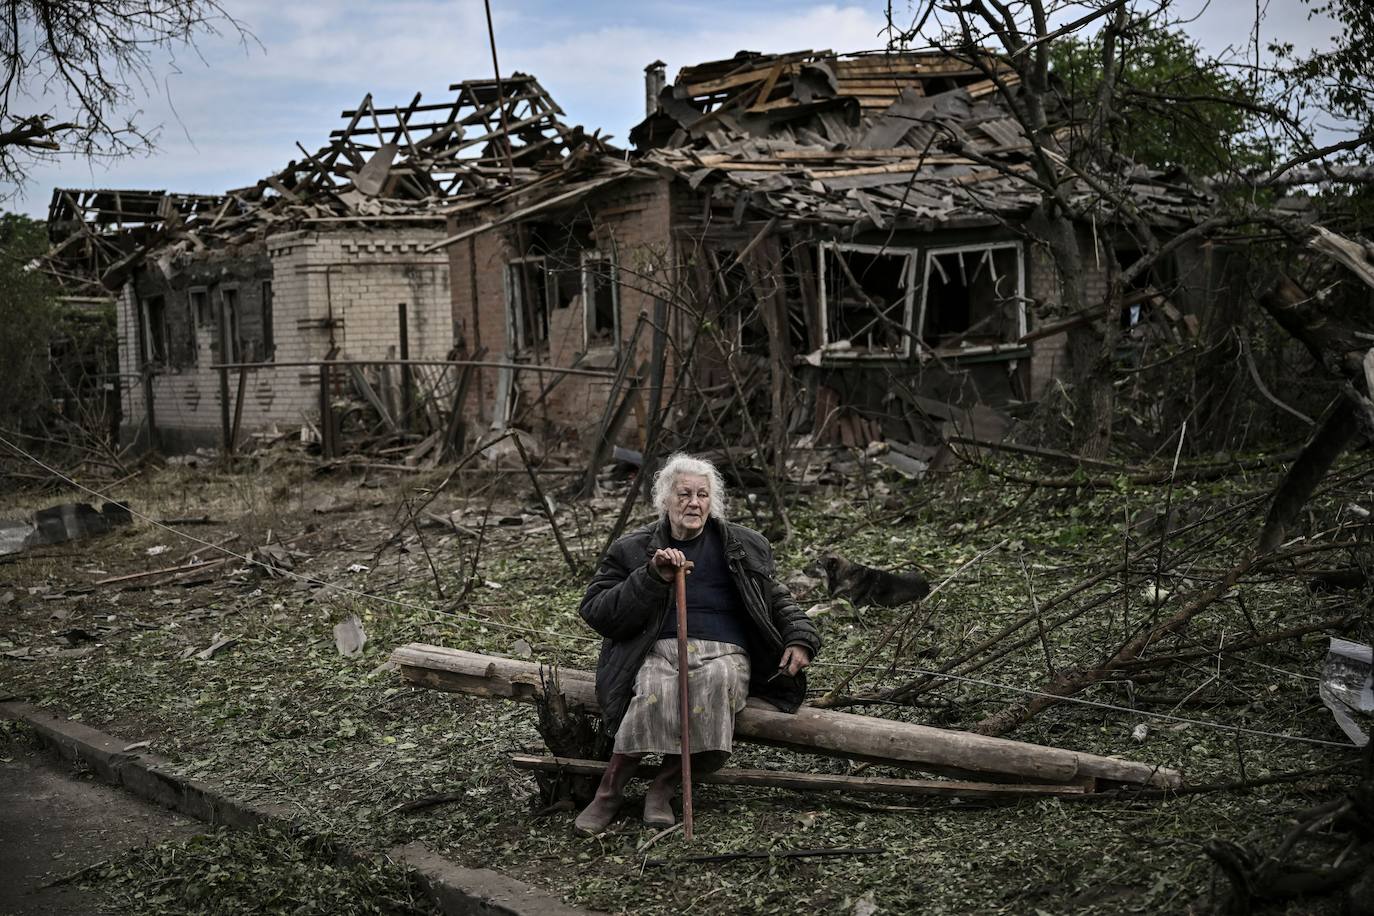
(812, 730)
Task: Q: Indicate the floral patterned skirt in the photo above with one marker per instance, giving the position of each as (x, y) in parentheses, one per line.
(717, 686)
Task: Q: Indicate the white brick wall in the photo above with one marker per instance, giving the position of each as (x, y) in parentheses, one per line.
(361, 277)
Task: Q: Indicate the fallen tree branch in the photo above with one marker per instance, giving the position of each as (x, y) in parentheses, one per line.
(772, 854)
(1070, 682)
(816, 782)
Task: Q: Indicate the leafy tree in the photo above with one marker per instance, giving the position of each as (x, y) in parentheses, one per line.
(1173, 106)
(26, 315)
(70, 66)
(1337, 80)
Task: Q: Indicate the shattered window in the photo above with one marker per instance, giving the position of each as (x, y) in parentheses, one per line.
(737, 303)
(1146, 300)
(565, 284)
(269, 344)
(865, 293)
(528, 292)
(200, 307)
(229, 326)
(973, 297)
(601, 298)
(154, 330)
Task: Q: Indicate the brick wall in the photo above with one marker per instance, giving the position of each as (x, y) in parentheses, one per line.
(360, 277)
(1049, 355)
(629, 223)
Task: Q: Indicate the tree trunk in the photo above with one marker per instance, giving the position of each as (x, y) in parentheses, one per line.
(817, 731)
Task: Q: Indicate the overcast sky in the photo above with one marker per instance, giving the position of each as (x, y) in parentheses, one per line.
(231, 113)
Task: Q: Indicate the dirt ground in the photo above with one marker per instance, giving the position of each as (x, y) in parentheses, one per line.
(232, 672)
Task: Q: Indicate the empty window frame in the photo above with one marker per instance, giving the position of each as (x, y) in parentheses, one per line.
(269, 342)
(736, 302)
(866, 295)
(229, 337)
(1148, 290)
(600, 299)
(527, 304)
(973, 297)
(154, 327)
(199, 301)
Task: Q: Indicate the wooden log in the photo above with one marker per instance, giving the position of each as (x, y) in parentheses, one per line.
(811, 730)
(818, 782)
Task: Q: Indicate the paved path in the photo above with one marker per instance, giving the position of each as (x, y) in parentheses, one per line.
(53, 823)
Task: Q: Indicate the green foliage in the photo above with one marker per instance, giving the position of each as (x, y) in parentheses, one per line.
(1340, 79)
(232, 872)
(1173, 107)
(26, 314)
(282, 718)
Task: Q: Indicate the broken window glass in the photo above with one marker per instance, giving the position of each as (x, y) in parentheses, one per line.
(601, 298)
(229, 338)
(269, 345)
(865, 298)
(154, 330)
(200, 307)
(972, 297)
(1147, 293)
(737, 303)
(527, 281)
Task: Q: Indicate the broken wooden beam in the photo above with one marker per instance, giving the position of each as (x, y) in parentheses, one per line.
(810, 730)
(817, 782)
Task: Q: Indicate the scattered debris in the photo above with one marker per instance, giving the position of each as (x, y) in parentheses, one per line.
(1347, 687)
(60, 524)
(866, 905)
(217, 645)
(349, 637)
(272, 560)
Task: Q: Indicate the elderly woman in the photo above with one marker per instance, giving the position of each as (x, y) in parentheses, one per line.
(745, 636)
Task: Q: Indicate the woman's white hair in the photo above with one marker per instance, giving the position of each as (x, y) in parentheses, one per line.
(680, 463)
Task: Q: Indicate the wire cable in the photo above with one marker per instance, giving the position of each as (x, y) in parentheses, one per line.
(1097, 704)
(330, 586)
(343, 589)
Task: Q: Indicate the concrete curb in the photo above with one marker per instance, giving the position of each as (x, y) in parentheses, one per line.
(456, 890)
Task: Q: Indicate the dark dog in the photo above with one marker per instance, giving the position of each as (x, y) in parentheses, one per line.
(864, 585)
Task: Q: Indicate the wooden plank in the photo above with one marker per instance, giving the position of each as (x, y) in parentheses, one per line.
(888, 169)
(815, 782)
(988, 87)
(901, 152)
(863, 86)
(768, 85)
(361, 383)
(711, 87)
(811, 730)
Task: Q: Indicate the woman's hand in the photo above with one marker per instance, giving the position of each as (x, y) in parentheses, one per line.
(665, 563)
(794, 659)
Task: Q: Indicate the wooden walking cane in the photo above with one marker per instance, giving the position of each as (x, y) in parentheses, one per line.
(684, 701)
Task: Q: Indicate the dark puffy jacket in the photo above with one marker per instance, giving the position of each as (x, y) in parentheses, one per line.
(628, 603)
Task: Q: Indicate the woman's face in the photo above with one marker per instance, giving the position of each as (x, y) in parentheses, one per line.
(689, 505)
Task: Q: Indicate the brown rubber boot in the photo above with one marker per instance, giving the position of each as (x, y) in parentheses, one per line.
(658, 802)
(598, 815)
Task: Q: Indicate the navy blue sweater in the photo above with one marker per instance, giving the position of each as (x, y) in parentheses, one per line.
(713, 605)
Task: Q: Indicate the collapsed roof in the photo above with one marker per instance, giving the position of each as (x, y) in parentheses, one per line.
(913, 139)
(406, 163)
(95, 232)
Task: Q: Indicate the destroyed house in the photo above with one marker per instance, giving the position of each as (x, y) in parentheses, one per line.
(845, 234)
(325, 259)
(842, 245)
